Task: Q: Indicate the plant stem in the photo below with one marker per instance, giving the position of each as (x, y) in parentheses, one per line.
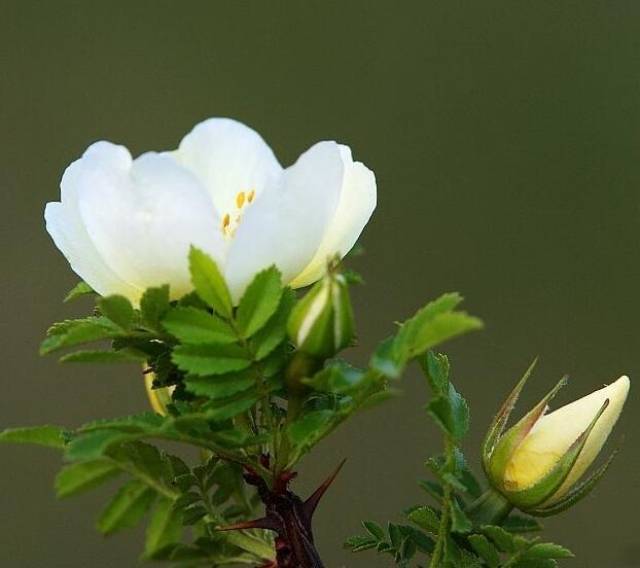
(443, 530)
(491, 508)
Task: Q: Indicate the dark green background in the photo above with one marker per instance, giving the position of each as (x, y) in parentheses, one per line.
(505, 138)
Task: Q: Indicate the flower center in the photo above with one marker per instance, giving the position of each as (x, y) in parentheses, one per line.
(230, 221)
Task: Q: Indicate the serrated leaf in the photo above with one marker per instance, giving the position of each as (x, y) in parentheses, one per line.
(79, 290)
(220, 386)
(164, 530)
(198, 327)
(259, 301)
(460, 523)
(126, 508)
(485, 550)
(544, 550)
(76, 332)
(206, 360)
(123, 356)
(219, 411)
(374, 529)
(48, 436)
(432, 325)
(79, 477)
(93, 445)
(339, 377)
(118, 309)
(275, 330)
(501, 538)
(519, 524)
(360, 543)
(305, 431)
(154, 304)
(426, 518)
(450, 412)
(209, 282)
(436, 368)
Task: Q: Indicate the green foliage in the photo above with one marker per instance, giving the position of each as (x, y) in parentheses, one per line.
(456, 538)
(259, 302)
(82, 476)
(209, 282)
(236, 389)
(48, 436)
(126, 509)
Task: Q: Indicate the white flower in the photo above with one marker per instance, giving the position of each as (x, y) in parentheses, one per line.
(125, 224)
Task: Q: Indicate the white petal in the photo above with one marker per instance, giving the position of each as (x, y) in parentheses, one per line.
(357, 202)
(142, 216)
(68, 233)
(229, 158)
(555, 432)
(287, 222)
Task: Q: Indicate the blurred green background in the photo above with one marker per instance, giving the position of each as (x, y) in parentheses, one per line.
(505, 139)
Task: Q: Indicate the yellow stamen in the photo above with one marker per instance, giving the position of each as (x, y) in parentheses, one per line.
(252, 194)
(225, 222)
(240, 199)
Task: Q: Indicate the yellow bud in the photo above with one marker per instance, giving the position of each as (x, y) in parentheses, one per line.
(158, 398)
(553, 434)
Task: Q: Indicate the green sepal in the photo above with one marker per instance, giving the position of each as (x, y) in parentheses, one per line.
(507, 444)
(502, 417)
(79, 290)
(577, 493)
(544, 489)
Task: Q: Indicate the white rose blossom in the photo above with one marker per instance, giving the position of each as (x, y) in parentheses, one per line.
(125, 225)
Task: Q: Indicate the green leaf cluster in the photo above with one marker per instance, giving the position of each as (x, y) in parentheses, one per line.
(226, 380)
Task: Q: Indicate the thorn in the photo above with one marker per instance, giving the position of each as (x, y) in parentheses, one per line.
(263, 523)
(312, 502)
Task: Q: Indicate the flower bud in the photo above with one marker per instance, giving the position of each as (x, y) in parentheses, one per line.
(321, 324)
(537, 463)
(159, 398)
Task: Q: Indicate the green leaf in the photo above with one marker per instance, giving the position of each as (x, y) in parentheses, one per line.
(76, 332)
(220, 411)
(450, 412)
(123, 356)
(544, 550)
(259, 302)
(126, 509)
(485, 550)
(210, 359)
(519, 524)
(501, 538)
(154, 304)
(360, 543)
(48, 436)
(220, 386)
(79, 477)
(197, 327)
(118, 309)
(374, 529)
(432, 325)
(305, 431)
(426, 518)
(460, 523)
(93, 445)
(436, 368)
(164, 530)
(275, 330)
(209, 282)
(79, 290)
(339, 377)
